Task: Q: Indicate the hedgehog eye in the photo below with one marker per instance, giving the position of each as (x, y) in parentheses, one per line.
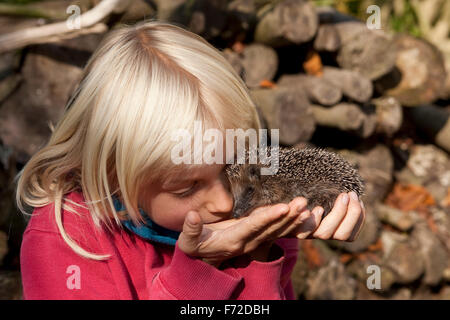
(249, 189)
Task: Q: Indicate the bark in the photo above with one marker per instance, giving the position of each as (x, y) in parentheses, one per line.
(319, 90)
(287, 110)
(285, 22)
(353, 84)
(419, 76)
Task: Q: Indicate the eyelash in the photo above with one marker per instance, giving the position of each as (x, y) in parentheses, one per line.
(188, 192)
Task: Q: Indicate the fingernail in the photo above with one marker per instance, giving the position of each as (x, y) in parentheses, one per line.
(284, 210)
(345, 199)
(304, 214)
(353, 195)
(318, 211)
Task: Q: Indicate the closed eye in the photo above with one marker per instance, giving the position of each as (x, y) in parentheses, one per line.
(186, 191)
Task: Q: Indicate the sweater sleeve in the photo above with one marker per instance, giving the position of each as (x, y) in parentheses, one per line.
(189, 278)
(268, 280)
(52, 270)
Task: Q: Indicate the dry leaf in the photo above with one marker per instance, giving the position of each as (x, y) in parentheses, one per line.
(377, 246)
(267, 84)
(238, 47)
(345, 258)
(313, 64)
(408, 197)
(312, 254)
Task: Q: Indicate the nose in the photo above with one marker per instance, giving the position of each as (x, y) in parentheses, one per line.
(219, 198)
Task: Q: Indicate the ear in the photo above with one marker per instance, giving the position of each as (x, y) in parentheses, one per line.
(254, 172)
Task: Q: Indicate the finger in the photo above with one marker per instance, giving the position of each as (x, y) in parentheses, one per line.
(306, 229)
(291, 229)
(258, 220)
(359, 224)
(297, 212)
(318, 214)
(346, 227)
(223, 224)
(192, 229)
(284, 226)
(287, 228)
(330, 223)
(273, 230)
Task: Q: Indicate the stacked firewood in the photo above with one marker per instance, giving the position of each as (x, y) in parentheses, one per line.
(309, 67)
(318, 75)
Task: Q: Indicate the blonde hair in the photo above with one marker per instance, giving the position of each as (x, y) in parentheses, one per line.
(142, 82)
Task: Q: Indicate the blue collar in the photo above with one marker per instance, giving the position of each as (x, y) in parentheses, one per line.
(150, 230)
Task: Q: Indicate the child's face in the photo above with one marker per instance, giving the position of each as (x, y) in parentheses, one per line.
(205, 190)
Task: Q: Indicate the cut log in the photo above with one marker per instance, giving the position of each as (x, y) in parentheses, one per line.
(319, 90)
(426, 173)
(394, 217)
(368, 235)
(8, 85)
(228, 21)
(3, 245)
(259, 63)
(353, 85)
(207, 18)
(346, 117)
(138, 11)
(49, 10)
(327, 38)
(389, 115)
(433, 121)
(376, 168)
(287, 22)
(402, 255)
(346, 26)
(287, 110)
(241, 18)
(434, 253)
(446, 92)
(255, 64)
(419, 76)
(369, 52)
(328, 14)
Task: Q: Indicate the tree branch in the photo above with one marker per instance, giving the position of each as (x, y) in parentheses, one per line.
(22, 38)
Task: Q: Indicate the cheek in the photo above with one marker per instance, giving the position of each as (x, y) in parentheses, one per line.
(169, 212)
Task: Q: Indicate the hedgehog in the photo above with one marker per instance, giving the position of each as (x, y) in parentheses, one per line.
(313, 173)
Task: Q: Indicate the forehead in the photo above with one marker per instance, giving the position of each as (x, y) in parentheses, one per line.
(193, 172)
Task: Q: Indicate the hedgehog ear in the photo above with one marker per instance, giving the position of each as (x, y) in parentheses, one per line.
(254, 172)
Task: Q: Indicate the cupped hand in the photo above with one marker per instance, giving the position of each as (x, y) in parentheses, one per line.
(344, 222)
(219, 241)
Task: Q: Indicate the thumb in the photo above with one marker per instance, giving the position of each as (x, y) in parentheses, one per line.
(192, 229)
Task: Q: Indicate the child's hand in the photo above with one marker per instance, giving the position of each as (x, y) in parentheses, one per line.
(217, 242)
(344, 222)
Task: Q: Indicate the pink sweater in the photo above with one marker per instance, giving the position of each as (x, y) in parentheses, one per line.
(137, 269)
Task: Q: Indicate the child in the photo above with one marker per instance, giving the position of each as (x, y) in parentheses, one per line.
(115, 218)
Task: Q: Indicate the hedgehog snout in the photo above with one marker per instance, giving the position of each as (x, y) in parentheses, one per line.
(244, 202)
